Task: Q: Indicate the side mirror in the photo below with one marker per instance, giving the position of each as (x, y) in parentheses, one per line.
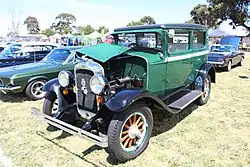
(171, 33)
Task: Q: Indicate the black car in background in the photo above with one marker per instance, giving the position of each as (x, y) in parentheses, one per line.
(23, 53)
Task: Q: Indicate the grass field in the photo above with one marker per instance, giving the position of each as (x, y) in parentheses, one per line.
(217, 134)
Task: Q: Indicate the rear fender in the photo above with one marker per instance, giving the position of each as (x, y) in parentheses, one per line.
(208, 69)
(125, 98)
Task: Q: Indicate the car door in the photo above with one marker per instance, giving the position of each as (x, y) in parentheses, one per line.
(179, 60)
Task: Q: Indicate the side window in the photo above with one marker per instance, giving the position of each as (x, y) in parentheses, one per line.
(180, 41)
(199, 39)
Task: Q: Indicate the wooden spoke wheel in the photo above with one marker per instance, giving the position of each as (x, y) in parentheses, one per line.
(133, 132)
(129, 132)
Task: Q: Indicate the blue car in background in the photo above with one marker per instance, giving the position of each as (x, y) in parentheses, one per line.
(23, 53)
(226, 54)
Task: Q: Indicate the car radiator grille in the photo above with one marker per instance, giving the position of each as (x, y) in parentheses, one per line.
(85, 101)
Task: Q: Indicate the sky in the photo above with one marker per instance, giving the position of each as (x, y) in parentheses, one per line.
(110, 13)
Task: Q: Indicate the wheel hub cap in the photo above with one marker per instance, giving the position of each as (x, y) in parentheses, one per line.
(134, 132)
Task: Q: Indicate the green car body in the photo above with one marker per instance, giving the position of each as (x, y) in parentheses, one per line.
(116, 86)
(15, 79)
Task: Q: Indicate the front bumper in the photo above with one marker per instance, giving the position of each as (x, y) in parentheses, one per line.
(5, 89)
(98, 140)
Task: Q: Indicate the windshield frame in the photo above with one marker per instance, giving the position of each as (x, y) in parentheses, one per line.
(61, 62)
(157, 32)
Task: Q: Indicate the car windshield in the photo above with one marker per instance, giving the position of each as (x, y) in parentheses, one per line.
(10, 50)
(139, 39)
(220, 48)
(57, 55)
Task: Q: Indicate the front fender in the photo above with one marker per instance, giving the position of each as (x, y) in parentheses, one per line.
(53, 88)
(51, 85)
(123, 99)
(206, 69)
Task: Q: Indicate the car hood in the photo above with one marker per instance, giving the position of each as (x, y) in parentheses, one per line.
(26, 69)
(103, 52)
(231, 40)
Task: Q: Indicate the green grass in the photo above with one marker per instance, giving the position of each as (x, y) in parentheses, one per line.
(217, 134)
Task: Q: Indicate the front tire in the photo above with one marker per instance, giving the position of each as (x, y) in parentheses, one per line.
(50, 104)
(129, 132)
(34, 89)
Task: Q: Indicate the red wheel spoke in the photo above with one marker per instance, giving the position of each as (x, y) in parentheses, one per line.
(134, 119)
(134, 140)
(125, 132)
(140, 124)
(130, 121)
(126, 126)
(130, 143)
(126, 143)
(124, 138)
(138, 120)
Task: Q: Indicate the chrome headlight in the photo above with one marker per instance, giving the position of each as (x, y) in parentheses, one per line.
(64, 78)
(98, 83)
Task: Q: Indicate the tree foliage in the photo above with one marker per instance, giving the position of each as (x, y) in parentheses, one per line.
(234, 10)
(63, 23)
(134, 23)
(147, 20)
(48, 32)
(144, 20)
(201, 15)
(32, 25)
(103, 29)
(86, 30)
(218, 11)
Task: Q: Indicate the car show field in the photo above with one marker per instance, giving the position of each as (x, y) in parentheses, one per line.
(216, 134)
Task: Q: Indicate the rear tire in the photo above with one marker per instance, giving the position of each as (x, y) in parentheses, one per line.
(206, 91)
(34, 89)
(229, 66)
(129, 132)
(241, 63)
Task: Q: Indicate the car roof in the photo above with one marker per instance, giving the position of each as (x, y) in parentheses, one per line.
(35, 43)
(71, 47)
(163, 26)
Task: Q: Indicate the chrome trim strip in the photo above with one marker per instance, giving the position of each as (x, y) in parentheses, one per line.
(9, 88)
(214, 62)
(187, 56)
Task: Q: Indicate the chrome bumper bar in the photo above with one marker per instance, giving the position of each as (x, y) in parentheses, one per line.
(8, 88)
(214, 62)
(100, 141)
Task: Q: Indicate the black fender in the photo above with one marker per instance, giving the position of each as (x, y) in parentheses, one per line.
(53, 88)
(125, 98)
(206, 69)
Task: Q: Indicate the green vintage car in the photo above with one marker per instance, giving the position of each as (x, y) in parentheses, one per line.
(30, 78)
(117, 86)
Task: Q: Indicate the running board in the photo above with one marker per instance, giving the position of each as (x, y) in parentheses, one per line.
(184, 101)
(100, 141)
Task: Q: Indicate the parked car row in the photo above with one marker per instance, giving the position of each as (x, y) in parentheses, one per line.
(115, 88)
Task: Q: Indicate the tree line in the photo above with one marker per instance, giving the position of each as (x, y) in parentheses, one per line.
(65, 23)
